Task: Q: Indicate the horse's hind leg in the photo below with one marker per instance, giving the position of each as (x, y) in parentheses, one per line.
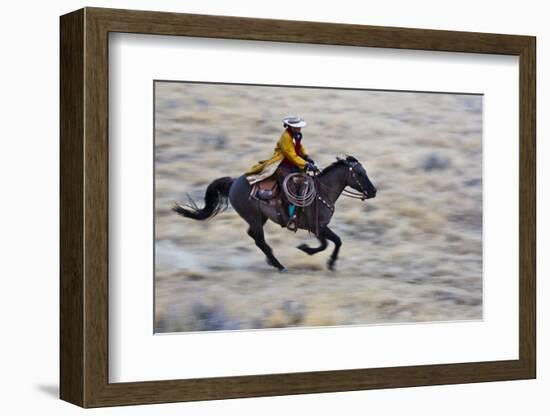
(257, 233)
(330, 235)
(250, 212)
(314, 250)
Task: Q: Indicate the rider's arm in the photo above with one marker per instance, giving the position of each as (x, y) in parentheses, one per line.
(305, 156)
(303, 151)
(287, 148)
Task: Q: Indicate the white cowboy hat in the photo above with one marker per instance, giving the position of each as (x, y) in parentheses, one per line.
(294, 121)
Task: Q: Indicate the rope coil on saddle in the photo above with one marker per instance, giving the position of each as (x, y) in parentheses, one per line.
(292, 195)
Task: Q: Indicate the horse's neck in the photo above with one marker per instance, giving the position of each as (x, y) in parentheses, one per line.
(334, 183)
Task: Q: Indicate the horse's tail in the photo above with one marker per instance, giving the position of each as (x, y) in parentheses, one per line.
(215, 201)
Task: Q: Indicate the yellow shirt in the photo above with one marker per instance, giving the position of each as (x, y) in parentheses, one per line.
(283, 149)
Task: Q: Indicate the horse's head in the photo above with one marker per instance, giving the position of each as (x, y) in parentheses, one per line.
(357, 177)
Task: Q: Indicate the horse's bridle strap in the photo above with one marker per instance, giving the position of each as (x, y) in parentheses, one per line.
(352, 194)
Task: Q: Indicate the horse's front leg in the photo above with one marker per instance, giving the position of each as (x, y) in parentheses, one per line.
(314, 250)
(330, 235)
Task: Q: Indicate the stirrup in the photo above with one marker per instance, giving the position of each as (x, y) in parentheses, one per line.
(292, 224)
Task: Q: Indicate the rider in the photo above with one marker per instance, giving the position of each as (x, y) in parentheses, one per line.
(289, 156)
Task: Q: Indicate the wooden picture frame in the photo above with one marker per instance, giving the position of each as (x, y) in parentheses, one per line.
(84, 207)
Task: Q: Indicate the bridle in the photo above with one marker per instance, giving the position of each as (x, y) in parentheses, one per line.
(346, 192)
(353, 194)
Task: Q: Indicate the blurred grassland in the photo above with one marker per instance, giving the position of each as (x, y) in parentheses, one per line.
(412, 254)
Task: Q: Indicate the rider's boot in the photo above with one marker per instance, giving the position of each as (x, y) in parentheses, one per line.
(292, 223)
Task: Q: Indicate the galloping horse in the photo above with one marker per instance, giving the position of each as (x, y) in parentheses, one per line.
(329, 183)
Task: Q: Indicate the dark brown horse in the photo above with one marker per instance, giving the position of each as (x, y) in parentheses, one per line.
(330, 183)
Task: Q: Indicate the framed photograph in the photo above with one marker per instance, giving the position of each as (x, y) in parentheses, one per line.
(255, 207)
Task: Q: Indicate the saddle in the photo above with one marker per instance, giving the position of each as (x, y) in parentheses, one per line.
(266, 190)
(269, 191)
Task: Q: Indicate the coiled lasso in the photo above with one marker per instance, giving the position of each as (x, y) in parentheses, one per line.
(292, 195)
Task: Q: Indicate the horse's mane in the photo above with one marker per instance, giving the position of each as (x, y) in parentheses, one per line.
(339, 162)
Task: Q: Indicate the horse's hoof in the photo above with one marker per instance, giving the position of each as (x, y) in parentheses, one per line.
(331, 266)
(283, 270)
